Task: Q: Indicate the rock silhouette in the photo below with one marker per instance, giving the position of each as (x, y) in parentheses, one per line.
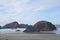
(0, 27)
(29, 29)
(23, 25)
(15, 25)
(41, 26)
(11, 25)
(44, 26)
(37, 27)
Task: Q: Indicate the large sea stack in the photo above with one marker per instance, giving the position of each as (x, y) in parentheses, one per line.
(41, 26)
(44, 26)
(11, 25)
(0, 27)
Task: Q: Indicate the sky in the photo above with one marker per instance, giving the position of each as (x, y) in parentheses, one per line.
(29, 11)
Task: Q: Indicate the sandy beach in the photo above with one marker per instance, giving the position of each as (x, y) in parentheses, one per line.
(29, 37)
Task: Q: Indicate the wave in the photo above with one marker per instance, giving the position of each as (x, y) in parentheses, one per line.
(5, 31)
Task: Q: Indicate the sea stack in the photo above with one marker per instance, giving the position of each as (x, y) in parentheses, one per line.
(44, 26)
(41, 26)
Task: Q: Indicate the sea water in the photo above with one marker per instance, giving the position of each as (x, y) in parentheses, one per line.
(10, 31)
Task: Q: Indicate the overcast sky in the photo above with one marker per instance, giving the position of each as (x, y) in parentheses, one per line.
(29, 11)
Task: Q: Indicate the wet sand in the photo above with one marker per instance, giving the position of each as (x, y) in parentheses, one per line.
(29, 36)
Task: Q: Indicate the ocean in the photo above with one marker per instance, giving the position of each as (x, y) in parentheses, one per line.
(14, 31)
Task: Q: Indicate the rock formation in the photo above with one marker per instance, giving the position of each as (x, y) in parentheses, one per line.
(0, 27)
(29, 29)
(11, 25)
(44, 26)
(23, 25)
(41, 26)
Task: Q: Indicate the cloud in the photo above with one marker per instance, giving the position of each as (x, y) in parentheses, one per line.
(27, 11)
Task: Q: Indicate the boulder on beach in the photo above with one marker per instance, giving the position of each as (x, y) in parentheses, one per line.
(11, 25)
(17, 30)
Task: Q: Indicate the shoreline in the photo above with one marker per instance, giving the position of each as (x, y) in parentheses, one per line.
(30, 36)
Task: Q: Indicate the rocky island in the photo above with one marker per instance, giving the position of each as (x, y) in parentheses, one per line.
(41, 26)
